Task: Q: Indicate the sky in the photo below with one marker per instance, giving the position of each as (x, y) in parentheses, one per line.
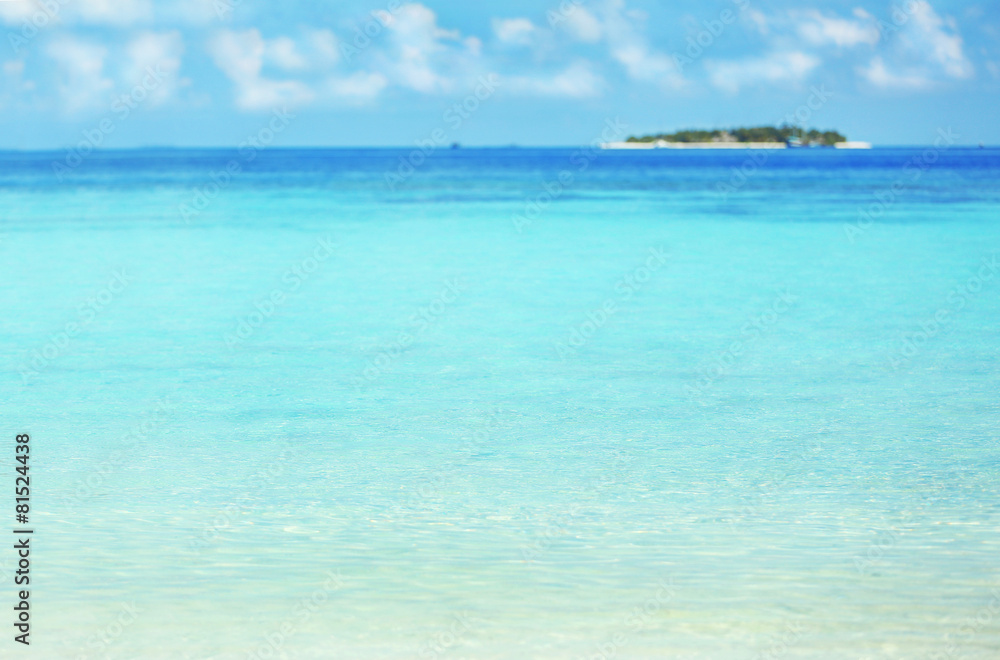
(134, 73)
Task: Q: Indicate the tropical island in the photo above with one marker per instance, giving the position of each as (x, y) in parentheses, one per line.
(760, 137)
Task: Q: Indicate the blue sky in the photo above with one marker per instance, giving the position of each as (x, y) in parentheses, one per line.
(212, 72)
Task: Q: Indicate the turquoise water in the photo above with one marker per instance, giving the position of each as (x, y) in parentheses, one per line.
(316, 417)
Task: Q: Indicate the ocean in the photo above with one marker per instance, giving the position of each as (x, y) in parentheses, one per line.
(506, 403)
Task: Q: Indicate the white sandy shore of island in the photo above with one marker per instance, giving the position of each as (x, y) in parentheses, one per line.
(662, 144)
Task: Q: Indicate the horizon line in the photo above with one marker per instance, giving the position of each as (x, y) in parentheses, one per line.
(460, 147)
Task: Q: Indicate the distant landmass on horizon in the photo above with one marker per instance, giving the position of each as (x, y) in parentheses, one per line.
(784, 133)
(764, 137)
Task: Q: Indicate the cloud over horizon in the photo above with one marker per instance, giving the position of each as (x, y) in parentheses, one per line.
(72, 60)
(574, 51)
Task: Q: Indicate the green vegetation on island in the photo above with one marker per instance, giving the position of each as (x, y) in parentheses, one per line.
(785, 133)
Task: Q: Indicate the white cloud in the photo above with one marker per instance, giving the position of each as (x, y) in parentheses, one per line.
(16, 13)
(877, 74)
(516, 31)
(116, 13)
(283, 53)
(475, 45)
(759, 21)
(13, 68)
(246, 57)
(927, 51)
(240, 55)
(159, 53)
(641, 64)
(323, 45)
(359, 87)
(820, 30)
(607, 20)
(576, 81)
(112, 12)
(944, 48)
(81, 71)
(413, 70)
(195, 12)
(420, 48)
(776, 68)
(264, 94)
(629, 48)
(416, 23)
(583, 25)
(917, 48)
(13, 87)
(15, 83)
(317, 49)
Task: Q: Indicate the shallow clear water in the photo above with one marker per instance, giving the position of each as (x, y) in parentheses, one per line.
(736, 413)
